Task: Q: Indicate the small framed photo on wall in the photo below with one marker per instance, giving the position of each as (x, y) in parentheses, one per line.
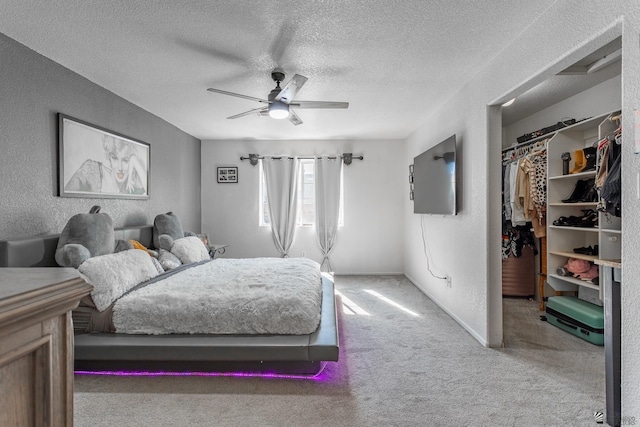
(228, 175)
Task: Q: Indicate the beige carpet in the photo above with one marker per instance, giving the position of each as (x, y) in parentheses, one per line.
(395, 369)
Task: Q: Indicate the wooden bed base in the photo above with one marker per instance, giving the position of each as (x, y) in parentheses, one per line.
(285, 354)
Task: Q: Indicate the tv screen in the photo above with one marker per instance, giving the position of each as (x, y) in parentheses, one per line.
(434, 179)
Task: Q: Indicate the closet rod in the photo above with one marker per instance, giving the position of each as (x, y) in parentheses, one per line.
(530, 142)
(347, 158)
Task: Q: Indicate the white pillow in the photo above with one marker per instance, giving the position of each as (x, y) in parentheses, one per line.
(190, 249)
(115, 274)
(168, 261)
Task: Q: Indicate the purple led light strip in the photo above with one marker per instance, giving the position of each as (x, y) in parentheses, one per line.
(315, 377)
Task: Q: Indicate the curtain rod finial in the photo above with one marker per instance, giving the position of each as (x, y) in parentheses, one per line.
(253, 159)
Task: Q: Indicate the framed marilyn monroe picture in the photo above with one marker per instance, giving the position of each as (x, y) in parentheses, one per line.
(95, 162)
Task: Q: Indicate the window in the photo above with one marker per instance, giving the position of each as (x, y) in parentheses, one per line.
(306, 196)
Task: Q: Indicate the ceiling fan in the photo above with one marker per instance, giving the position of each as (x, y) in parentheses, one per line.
(280, 102)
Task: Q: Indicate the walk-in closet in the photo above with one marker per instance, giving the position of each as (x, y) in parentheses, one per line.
(556, 138)
(561, 213)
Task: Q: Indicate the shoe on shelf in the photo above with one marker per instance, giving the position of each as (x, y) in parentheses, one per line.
(564, 272)
(587, 250)
(584, 190)
(590, 159)
(589, 219)
(566, 221)
(579, 162)
(591, 195)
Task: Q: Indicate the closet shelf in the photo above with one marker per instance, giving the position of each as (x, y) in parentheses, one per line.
(575, 281)
(582, 229)
(591, 258)
(613, 263)
(562, 239)
(580, 204)
(588, 174)
(611, 231)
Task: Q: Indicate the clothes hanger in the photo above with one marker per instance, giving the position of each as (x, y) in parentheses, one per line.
(539, 147)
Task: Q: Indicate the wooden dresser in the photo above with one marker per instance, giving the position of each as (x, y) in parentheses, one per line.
(36, 345)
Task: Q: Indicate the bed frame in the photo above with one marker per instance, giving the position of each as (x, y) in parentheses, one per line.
(287, 354)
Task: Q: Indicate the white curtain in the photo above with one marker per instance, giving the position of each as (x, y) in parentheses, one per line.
(281, 179)
(328, 176)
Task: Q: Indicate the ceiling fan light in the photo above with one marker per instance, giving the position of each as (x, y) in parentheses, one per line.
(279, 110)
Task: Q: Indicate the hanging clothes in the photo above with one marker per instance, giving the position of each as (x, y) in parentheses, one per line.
(517, 195)
(611, 192)
(535, 167)
(608, 173)
(525, 174)
(608, 150)
(506, 193)
(515, 239)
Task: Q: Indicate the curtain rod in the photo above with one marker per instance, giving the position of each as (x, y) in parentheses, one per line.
(347, 158)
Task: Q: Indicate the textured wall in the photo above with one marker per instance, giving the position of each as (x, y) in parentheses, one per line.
(33, 89)
(370, 242)
(467, 246)
(630, 218)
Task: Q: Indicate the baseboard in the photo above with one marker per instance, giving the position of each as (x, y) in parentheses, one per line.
(469, 329)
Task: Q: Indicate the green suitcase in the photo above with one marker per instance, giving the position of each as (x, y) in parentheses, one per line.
(578, 317)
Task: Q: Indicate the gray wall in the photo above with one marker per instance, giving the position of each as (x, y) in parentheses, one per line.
(33, 89)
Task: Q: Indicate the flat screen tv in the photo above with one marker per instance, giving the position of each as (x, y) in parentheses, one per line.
(434, 179)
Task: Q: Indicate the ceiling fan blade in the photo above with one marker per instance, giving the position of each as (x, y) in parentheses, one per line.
(208, 51)
(289, 91)
(250, 98)
(319, 104)
(258, 111)
(280, 45)
(293, 118)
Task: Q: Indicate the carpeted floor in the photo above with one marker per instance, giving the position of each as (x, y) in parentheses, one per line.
(396, 368)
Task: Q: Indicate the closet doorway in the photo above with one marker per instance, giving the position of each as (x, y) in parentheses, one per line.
(586, 99)
(588, 88)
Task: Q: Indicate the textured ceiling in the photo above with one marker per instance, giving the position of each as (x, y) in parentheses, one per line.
(562, 86)
(391, 60)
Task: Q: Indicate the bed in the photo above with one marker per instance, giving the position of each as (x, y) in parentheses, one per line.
(246, 352)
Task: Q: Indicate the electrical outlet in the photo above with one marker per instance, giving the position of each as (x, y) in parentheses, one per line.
(448, 281)
(304, 254)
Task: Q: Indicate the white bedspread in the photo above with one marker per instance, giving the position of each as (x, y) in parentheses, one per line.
(227, 296)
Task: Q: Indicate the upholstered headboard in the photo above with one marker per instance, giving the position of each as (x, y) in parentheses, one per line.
(40, 251)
